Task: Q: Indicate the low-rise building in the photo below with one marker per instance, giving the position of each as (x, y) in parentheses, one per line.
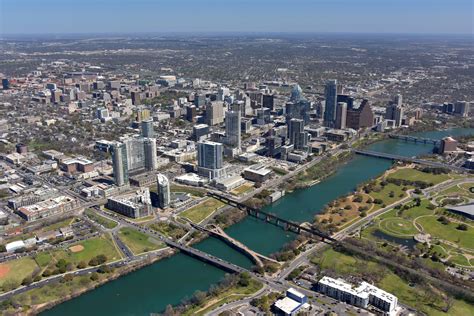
(47, 208)
(134, 205)
(293, 303)
(360, 296)
(229, 183)
(257, 173)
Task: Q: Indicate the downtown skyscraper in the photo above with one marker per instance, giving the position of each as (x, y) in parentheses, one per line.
(330, 94)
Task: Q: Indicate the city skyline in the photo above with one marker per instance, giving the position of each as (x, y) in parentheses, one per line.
(209, 16)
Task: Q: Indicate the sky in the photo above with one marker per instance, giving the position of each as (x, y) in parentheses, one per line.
(258, 16)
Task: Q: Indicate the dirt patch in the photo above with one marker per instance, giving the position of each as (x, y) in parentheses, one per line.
(4, 269)
(76, 248)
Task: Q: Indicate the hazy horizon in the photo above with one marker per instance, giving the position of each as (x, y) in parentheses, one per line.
(423, 17)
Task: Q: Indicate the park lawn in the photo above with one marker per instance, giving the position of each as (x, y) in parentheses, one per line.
(417, 298)
(464, 239)
(459, 259)
(16, 270)
(384, 194)
(43, 259)
(93, 247)
(107, 223)
(344, 264)
(244, 188)
(417, 175)
(417, 211)
(198, 213)
(53, 292)
(193, 191)
(235, 293)
(398, 227)
(138, 242)
(171, 230)
(466, 187)
(455, 190)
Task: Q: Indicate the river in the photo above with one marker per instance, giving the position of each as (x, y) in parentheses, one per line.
(168, 281)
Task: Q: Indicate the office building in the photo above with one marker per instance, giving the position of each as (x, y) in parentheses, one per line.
(233, 128)
(298, 110)
(462, 108)
(163, 191)
(120, 164)
(360, 296)
(199, 100)
(136, 97)
(298, 137)
(296, 94)
(149, 147)
(268, 101)
(210, 159)
(341, 115)
(394, 110)
(5, 84)
(263, 116)
(200, 132)
(448, 145)
(215, 113)
(222, 92)
(360, 117)
(191, 113)
(147, 128)
(330, 93)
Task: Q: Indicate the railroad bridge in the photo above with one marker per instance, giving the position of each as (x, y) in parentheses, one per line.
(273, 219)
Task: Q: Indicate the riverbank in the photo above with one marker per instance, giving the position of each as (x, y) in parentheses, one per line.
(71, 286)
(183, 275)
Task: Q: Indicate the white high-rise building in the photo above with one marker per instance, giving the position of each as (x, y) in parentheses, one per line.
(163, 190)
(210, 159)
(119, 162)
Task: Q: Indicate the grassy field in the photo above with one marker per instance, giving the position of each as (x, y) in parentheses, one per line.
(13, 272)
(416, 296)
(416, 175)
(137, 241)
(107, 223)
(171, 230)
(385, 194)
(398, 227)
(232, 294)
(93, 247)
(431, 225)
(64, 223)
(53, 292)
(198, 213)
(244, 188)
(43, 259)
(191, 190)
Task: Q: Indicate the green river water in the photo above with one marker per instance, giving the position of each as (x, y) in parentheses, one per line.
(168, 281)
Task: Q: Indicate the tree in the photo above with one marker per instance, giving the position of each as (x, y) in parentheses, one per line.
(169, 311)
(81, 265)
(27, 281)
(94, 276)
(462, 227)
